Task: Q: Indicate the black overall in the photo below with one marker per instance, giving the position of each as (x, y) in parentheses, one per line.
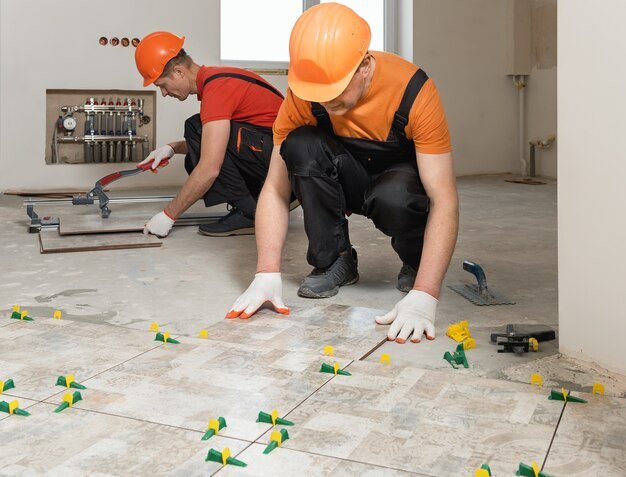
(332, 175)
(247, 158)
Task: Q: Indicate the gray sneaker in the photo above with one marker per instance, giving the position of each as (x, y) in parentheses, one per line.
(406, 278)
(235, 223)
(325, 282)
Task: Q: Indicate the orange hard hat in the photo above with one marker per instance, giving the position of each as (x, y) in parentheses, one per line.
(153, 53)
(327, 44)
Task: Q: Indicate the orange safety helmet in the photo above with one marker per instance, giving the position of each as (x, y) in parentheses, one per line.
(153, 53)
(327, 44)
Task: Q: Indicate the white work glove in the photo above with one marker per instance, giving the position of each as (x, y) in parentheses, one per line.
(158, 155)
(415, 313)
(264, 287)
(159, 225)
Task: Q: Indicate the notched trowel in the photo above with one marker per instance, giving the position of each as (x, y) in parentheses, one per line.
(479, 294)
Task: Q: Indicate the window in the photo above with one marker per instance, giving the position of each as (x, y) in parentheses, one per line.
(373, 11)
(256, 33)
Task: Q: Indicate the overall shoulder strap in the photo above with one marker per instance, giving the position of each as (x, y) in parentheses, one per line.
(414, 86)
(323, 119)
(249, 79)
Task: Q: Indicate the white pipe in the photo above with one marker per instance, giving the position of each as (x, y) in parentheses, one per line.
(520, 83)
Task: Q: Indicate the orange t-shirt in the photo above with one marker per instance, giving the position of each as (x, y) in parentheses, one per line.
(371, 118)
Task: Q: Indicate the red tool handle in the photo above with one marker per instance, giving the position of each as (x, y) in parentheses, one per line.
(148, 165)
(106, 180)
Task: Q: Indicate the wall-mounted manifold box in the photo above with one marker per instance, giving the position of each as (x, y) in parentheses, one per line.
(99, 126)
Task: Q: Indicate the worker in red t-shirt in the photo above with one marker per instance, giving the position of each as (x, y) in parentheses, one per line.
(227, 146)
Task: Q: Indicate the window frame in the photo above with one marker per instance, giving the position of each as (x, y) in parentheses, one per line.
(390, 22)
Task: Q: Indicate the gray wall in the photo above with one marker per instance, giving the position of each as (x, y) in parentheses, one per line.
(462, 45)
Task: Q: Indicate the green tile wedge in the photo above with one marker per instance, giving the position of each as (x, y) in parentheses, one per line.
(333, 369)
(276, 440)
(6, 385)
(215, 425)
(165, 338)
(564, 395)
(265, 417)
(64, 380)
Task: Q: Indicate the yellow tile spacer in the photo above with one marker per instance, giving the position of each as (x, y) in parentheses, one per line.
(469, 343)
(13, 405)
(203, 334)
(598, 388)
(68, 398)
(69, 379)
(16, 308)
(166, 335)
(533, 344)
(23, 315)
(154, 327)
(336, 367)
(215, 425)
(535, 468)
(459, 331)
(274, 416)
(1, 387)
(481, 473)
(564, 392)
(56, 315)
(277, 437)
(225, 455)
(329, 350)
(385, 358)
(536, 379)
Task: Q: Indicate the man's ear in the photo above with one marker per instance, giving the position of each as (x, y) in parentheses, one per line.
(178, 70)
(366, 65)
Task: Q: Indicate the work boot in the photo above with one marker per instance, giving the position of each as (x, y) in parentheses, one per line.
(234, 223)
(406, 278)
(325, 282)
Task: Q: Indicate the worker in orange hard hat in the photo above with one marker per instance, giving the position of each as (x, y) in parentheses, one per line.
(360, 132)
(227, 146)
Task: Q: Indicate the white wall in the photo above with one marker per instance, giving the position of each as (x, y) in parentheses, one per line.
(462, 45)
(50, 44)
(54, 44)
(592, 168)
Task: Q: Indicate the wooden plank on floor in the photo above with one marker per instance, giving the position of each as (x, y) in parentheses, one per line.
(52, 242)
(94, 224)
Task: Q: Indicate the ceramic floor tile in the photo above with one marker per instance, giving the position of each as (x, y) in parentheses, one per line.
(187, 384)
(430, 422)
(76, 442)
(591, 439)
(288, 463)
(352, 331)
(34, 354)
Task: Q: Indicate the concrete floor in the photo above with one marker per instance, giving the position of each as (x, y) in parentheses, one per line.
(191, 282)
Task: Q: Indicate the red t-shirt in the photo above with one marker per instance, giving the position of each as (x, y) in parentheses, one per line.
(234, 98)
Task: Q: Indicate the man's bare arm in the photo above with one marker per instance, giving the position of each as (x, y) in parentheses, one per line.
(437, 174)
(272, 215)
(215, 135)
